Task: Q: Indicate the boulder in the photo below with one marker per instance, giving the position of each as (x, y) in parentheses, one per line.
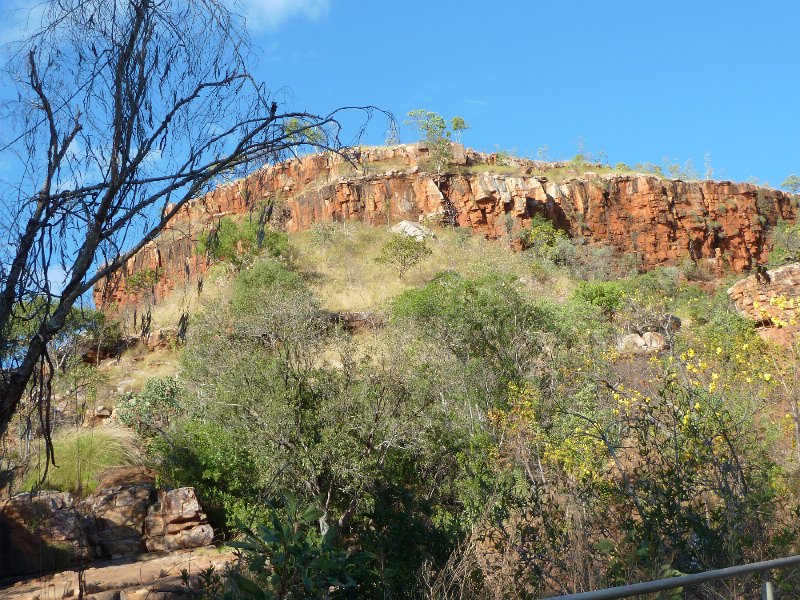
(411, 229)
(115, 519)
(648, 343)
(175, 521)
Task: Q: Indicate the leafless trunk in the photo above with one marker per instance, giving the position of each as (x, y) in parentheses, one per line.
(127, 110)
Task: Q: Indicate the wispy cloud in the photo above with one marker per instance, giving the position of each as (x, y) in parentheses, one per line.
(269, 14)
(18, 18)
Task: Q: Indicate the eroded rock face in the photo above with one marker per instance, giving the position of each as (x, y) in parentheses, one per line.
(50, 531)
(40, 532)
(772, 299)
(115, 518)
(176, 522)
(662, 221)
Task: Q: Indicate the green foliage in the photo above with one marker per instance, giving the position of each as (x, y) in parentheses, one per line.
(433, 131)
(543, 240)
(218, 465)
(324, 233)
(606, 295)
(299, 131)
(486, 323)
(239, 243)
(431, 126)
(290, 559)
(403, 252)
(81, 456)
(785, 243)
(150, 412)
(792, 184)
(144, 279)
(458, 125)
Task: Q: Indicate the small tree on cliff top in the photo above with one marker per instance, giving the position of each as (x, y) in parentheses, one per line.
(434, 133)
(125, 110)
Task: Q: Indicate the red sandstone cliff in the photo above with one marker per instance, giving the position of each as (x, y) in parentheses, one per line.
(663, 221)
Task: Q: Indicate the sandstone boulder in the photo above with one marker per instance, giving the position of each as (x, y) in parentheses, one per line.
(115, 519)
(772, 299)
(411, 229)
(649, 342)
(176, 521)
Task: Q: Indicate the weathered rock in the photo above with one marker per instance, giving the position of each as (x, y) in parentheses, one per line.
(125, 476)
(49, 530)
(126, 579)
(161, 339)
(115, 519)
(40, 532)
(411, 229)
(662, 221)
(772, 299)
(647, 343)
(176, 521)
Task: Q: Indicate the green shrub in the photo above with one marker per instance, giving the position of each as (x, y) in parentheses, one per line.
(219, 466)
(290, 559)
(485, 322)
(606, 295)
(403, 253)
(151, 410)
(785, 243)
(82, 455)
(543, 240)
(239, 243)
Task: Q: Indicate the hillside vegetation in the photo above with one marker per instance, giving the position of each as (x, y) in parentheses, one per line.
(485, 436)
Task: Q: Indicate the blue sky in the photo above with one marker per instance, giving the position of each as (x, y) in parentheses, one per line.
(637, 80)
(640, 81)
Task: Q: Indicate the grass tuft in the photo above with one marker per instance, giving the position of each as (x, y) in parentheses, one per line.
(82, 455)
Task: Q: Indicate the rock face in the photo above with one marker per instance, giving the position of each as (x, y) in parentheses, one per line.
(40, 532)
(411, 229)
(50, 531)
(175, 522)
(771, 299)
(662, 221)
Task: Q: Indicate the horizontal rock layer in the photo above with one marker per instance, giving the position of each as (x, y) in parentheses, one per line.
(662, 221)
(51, 531)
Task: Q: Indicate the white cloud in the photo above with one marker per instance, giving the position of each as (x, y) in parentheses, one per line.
(18, 18)
(269, 14)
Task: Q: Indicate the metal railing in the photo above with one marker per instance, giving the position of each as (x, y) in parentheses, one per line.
(671, 583)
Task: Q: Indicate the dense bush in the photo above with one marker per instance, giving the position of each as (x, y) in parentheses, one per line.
(150, 411)
(484, 438)
(238, 243)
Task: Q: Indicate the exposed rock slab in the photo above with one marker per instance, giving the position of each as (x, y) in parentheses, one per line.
(124, 579)
(50, 531)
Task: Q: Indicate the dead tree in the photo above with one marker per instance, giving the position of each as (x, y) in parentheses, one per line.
(125, 111)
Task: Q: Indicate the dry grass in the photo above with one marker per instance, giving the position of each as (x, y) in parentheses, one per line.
(345, 275)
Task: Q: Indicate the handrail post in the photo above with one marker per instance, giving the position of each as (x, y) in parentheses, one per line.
(766, 587)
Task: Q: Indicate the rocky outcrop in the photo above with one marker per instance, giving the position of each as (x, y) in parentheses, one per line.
(662, 221)
(50, 531)
(40, 532)
(772, 299)
(175, 522)
(156, 577)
